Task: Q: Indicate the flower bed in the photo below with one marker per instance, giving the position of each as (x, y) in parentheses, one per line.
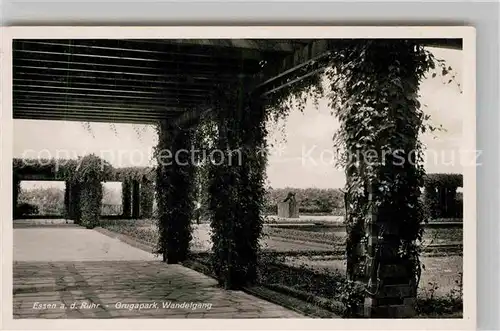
(336, 235)
(331, 238)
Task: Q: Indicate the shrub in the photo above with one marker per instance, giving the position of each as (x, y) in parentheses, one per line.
(90, 174)
(49, 200)
(431, 305)
(25, 209)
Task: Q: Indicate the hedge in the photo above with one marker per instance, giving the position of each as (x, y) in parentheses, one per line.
(440, 195)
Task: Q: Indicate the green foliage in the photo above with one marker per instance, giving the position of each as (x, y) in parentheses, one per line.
(373, 91)
(352, 296)
(54, 168)
(175, 189)
(444, 180)
(90, 174)
(372, 86)
(430, 304)
(82, 176)
(147, 196)
(65, 169)
(375, 98)
(144, 233)
(26, 209)
(48, 200)
(132, 173)
(236, 186)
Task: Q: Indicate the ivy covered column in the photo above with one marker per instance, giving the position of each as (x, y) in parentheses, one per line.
(92, 172)
(431, 199)
(67, 199)
(127, 198)
(236, 187)
(380, 123)
(147, 196)
(136, 199)
(174, 191)
(74, 207)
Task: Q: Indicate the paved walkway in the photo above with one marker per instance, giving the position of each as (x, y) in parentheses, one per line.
(71, 272)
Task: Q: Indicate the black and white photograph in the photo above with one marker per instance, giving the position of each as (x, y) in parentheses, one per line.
(278, 177)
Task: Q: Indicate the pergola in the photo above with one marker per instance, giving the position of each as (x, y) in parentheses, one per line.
(173, 83)
(144, 81)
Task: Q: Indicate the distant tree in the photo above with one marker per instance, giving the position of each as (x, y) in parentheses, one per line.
(49, 200)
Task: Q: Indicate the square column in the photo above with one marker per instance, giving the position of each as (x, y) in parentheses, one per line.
(126, 198)
(136, 199)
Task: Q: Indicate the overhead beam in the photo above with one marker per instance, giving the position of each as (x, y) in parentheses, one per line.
(159, 61)
(68, 111)
(456, 44)
(98, 94)
(97, 119)
(190, 116)
(70, 63)
(314, 55)
(48, 71)
(101, 107)
(263, 45)
(128, 79)
(107, 84)
(109, 80)
(158, 95)
(218, 48)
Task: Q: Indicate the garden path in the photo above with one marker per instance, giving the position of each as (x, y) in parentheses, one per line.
(55, 267)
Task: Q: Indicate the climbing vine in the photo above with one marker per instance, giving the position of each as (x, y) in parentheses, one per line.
(235, 183)
(376, 103)
(174, 191)
(147, 194)
(90, 174)
(372, 87)
(83, 177)
(204, 140)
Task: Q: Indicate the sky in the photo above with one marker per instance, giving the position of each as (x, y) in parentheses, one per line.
(301, 158)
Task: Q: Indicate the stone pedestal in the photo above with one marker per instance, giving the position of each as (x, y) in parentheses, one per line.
(288, 209)
(387, 277)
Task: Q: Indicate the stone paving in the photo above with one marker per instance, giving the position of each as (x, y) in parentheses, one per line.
(78, 273)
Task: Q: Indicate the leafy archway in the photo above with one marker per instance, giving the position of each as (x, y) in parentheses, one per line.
(373, 91)
(372, 86)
